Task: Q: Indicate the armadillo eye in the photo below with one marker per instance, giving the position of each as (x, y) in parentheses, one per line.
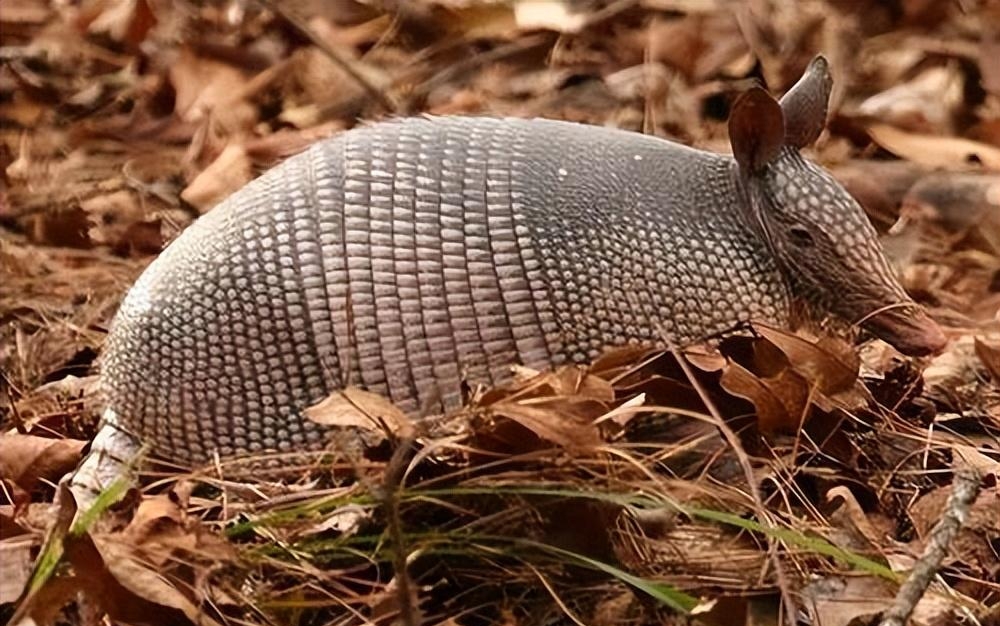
(801, 237)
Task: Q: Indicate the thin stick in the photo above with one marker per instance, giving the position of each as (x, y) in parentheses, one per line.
(391, 486)
(300, 24)
(791, 609)
(964, 491)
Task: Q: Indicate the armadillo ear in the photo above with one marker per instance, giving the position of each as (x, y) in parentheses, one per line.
(756, 129)
(805, 105)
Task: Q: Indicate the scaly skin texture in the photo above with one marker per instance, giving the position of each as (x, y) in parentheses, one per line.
(407, 255)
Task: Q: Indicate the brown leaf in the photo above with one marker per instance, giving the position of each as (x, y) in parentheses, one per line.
(926, 103)
(974, 545)
(208, 87)
(705, 358)
(227, 173)
(125, 21)
(551, 421)
(141, 238)
(285, 143)
(990, 356)
(699, 45)
(934, 151)
(141, 575)
(69, 227)
(9, 526)
(355, 407)
(127, 588)
(576, 382)
(16, 557)
(831, 365)
(989, 52)
(851, 527)
(843, 601)
(161, 532)
(27, 459)
(617, 362)
(665, 391)
(781, 401)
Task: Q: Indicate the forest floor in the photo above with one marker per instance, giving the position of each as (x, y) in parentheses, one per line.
(778, 477)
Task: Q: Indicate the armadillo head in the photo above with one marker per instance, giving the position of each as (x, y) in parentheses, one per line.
(822, 239)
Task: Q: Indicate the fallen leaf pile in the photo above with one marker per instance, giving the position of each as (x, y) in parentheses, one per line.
(770, 474)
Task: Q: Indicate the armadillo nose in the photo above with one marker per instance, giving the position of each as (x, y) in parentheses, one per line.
(908, 329)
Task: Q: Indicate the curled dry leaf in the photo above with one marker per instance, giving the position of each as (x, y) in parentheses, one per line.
(830, 364)
(142, 571)
(989, 354)
(162, 532)
(552, 421)
(843, 601)
(559, 407)
(124, 21)
(16, 559)
(928, 102)
(227, 173)
(208, 87)
(358, 408)
(27, 459)
(781, 401)
(126, 587)
(934, 151)
(573, 381)
(974, 547)
(852, 529)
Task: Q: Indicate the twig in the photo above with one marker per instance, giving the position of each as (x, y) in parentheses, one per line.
(300, 24)
(389, 496)
(791, 609)
(965, 488)
(455, 70)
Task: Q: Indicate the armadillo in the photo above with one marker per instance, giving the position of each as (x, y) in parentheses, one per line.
(408, 256)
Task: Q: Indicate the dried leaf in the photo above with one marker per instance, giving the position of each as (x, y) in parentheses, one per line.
(16, 560)
(125, 21)
(830, 365)
(207, 87)
(853, 530)
(844, 601)
(975, 544)
(556, 15)
(69, 227)
(27, 459)
(128, 589)
(781, 401)
(355, 407)
(551, 421)
(934, 151)
(162, 532)
(572, 381)
(230, 171)
(927, 103)
(990, 356)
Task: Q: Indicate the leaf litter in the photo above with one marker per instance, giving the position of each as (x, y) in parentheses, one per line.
(603, 494)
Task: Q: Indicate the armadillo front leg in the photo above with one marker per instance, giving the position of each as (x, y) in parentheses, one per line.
(113, 455)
